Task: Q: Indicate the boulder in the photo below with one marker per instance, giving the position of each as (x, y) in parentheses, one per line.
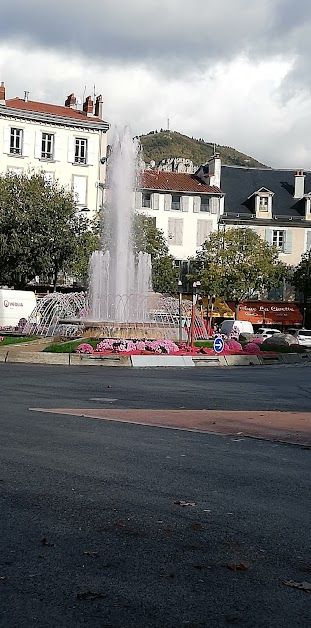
(284, 340)
(246, 336)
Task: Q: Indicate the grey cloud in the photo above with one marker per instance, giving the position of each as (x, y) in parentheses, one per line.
(173, 37)
(166, 34)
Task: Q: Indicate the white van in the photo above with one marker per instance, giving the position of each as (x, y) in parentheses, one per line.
(14, 305)
(241, 326)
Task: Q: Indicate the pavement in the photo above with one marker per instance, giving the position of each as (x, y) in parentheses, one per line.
(112, 524)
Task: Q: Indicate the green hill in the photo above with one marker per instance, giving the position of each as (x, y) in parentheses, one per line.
(167, 144)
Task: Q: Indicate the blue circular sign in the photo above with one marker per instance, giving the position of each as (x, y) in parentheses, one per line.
(218, 345)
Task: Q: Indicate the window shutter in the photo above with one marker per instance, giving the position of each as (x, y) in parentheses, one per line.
(167, 202)
(71, 150)
(214, 203)
(288, 241)
(204, 228)
(90, 152)
(268, 236)
(79, 189)
(175, 231)
(6, 139)
(57, 147)
(38, 145)
(155, 201)
(196, 204)
(185, 203)
(138, 200)
(26, 144)
(308, 240)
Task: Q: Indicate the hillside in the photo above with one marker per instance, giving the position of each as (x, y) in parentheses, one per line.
(166, 144)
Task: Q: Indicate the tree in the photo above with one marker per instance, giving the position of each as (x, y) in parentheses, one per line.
(301, 279)
(149, 239)
(40, 229)
(237, 264)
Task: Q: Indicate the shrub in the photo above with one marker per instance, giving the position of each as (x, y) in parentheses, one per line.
(252, 347)
(258, 341)
(233, 345)
(84, 348)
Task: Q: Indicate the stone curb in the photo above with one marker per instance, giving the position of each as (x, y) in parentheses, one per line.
(30, 357)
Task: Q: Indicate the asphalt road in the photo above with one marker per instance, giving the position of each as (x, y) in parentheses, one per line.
(91, 534)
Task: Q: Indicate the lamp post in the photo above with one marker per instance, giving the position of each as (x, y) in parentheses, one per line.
(195, 286)
(306, 289)
(180, 309)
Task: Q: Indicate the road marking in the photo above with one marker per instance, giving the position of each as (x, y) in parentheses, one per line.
(102, 399)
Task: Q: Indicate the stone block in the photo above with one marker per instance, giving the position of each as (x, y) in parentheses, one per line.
(76, 359)
(241, 360)
(37, 358)
(210, 360)
(161, 360)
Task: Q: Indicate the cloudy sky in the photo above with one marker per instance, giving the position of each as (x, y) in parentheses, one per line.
(232, 71)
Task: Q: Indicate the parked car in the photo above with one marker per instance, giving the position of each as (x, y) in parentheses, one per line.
(240, 326)
(303, 337)
(267, 332)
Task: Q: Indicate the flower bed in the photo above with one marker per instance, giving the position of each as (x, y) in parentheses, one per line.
(110, 346)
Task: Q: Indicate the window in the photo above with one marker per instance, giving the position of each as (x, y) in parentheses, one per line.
(79, 185)
(47, 148)
(16, 140)
(278, 239)
(175, 201)
(80, 150)
(205, 204)
(263, 203)
(175, 231)
(147, 200)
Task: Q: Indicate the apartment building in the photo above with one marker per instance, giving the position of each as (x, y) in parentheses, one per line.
(186, 208)
(66, 143)
(275, 203)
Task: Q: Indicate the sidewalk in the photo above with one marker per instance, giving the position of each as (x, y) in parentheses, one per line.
(289, 427)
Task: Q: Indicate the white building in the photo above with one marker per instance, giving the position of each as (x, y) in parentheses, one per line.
(65, 143)
(184, 206)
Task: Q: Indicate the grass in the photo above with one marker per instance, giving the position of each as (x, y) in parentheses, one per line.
(69, 347)
(13, 340)
(204, 343)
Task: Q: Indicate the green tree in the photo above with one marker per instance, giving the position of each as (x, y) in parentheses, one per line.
(301, 279)
(237, 264)
(40, 229)
(149, 239)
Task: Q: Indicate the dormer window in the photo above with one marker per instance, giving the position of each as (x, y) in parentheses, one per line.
(263, 203)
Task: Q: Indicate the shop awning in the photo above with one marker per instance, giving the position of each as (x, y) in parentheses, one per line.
(222, 309)
(269, 312)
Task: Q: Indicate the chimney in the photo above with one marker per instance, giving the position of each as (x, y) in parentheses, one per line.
(299, 184)
(88, 106)
(99, 107)
(26, 96)
(2, 94)
(71, 101)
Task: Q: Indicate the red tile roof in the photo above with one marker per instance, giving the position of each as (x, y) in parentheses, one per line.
(176, 182)
(55, 110)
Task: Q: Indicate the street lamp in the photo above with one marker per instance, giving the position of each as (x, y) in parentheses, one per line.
(180, 309)
(195, 287)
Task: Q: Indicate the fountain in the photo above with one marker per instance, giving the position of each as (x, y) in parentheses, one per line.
(120, 302)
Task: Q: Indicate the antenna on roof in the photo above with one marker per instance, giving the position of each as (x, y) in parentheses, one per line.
(83, 99)
(214, 148)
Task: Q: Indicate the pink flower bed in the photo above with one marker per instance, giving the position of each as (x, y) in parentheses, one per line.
(252, 348)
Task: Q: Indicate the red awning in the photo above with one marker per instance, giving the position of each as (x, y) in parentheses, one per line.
(269, 312)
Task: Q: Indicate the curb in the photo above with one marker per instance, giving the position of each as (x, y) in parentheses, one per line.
(145, 361)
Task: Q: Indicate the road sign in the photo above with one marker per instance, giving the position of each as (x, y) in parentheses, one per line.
(218, 345)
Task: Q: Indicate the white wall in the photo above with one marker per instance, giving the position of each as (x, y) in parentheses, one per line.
(83, 177)
(192, 227)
